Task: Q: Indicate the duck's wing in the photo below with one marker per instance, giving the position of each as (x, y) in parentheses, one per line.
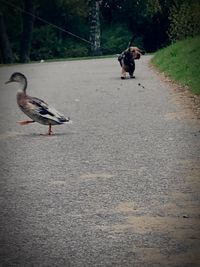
(44, 110)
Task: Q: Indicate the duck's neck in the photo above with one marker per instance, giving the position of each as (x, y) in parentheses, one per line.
(23, 86)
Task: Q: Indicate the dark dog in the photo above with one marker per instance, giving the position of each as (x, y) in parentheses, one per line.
(127, 60)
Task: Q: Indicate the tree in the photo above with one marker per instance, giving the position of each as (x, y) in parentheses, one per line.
(147, 20)
(5, 46)
(28, 21)
(95, 31)
(184, 19)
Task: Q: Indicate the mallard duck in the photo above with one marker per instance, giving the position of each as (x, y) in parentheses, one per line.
(35, 108)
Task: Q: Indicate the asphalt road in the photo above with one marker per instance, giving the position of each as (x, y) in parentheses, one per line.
(117, 187)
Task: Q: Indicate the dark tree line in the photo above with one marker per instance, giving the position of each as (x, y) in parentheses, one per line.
(6, 51)
(27, 29)
(107, 25)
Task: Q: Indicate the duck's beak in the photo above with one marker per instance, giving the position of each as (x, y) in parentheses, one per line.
(9, 81)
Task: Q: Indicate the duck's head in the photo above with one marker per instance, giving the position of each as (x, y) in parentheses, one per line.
(18, 78)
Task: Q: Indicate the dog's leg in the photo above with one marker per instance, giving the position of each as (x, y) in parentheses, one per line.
(123, 73)
(132, 69)
(131, 75)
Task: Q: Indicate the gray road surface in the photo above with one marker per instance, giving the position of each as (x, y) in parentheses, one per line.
(118, 187)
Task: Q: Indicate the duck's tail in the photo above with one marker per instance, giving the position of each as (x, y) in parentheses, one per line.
(67, 120)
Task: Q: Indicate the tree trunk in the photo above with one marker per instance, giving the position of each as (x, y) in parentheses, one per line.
(6, 51)
(28, 21)
(95, 31)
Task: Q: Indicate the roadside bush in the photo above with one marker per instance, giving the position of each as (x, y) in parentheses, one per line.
(75, 49)
(115, 39)
(47, 45)
(184, 20)
(44, 43)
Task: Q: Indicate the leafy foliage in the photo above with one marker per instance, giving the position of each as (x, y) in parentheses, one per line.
(115, 38)
(184, 20)
(151, 22)
(44, 44)
(47, 45)
(147, 20)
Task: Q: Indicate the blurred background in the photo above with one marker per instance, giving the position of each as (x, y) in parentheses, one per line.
(32, 30)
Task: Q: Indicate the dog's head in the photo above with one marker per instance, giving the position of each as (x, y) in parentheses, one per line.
(135, 52)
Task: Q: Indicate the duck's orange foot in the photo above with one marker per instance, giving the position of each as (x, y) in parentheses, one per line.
(24, 122)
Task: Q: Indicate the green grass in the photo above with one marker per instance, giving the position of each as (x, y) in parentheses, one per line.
(181, 63)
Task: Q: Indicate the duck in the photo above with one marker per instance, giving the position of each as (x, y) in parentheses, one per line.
(35, 108)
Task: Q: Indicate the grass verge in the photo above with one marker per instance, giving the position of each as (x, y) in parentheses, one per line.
(181, 63)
